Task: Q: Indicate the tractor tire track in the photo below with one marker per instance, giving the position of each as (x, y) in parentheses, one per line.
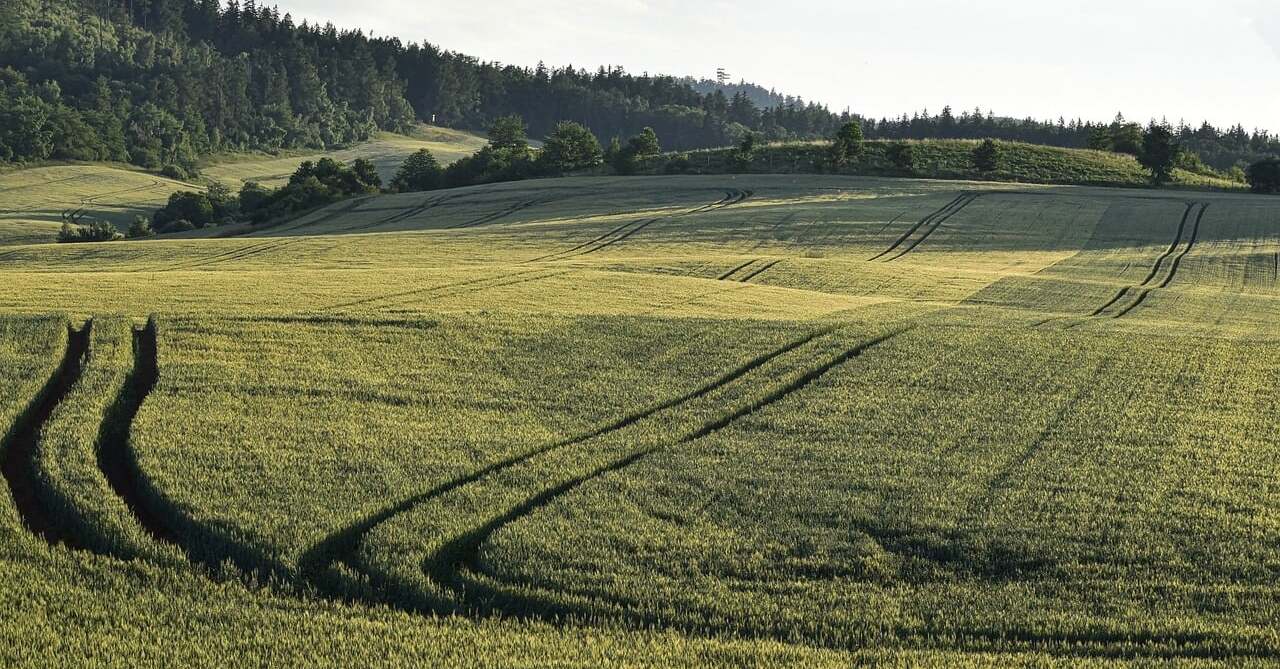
(731, 198)
(937, 223)
(213, 258)
(1177, 239)
(93, 199)
(241, 254)
(338, 211)
(583, 245)
(623, 232)
(1142, 297)
(1195, 235)
(1144, 289)
(759, 271)
(455, 565)
(20, 446)
(489, 286)
(499, 215)
(922, 222)
(1119, 296)
(405, 214)
(417, 291)
(341, 546)
(736, 269)
(116, 458)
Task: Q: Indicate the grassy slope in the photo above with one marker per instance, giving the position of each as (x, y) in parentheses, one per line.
(32, 201)
(1007, 479)
(386, 150)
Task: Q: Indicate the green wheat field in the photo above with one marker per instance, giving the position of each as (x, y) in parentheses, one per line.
(649, 421)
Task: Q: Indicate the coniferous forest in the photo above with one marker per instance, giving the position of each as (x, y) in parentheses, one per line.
(160, 83)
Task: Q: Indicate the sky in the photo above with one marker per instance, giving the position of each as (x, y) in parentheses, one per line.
(1177, 59)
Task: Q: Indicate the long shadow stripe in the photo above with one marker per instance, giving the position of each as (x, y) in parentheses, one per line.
(18, 463)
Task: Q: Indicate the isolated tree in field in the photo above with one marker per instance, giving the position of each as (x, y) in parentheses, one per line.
(847, 144)
(509, 133)
(420, 171)
(1264, 176)
(570, 147)
(986, 157)
(1159, 153)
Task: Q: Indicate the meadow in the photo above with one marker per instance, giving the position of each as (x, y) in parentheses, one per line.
(35, 201)
(698, 420)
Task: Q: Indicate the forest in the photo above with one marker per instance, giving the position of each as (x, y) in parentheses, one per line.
(161, 83)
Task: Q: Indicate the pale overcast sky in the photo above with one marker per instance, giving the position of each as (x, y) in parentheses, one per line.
(1189, 59)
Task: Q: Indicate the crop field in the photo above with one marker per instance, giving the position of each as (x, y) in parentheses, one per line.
(654, 421)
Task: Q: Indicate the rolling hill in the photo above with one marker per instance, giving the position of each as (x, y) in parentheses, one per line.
(718, 420)
(35, 199)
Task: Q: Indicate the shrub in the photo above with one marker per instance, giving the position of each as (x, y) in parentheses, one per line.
(678, 164)
(847, 145)
(253, 198)
(174, 172)
(741, 157)
(140, 228)
(570, 147)
(1264, 176)
(420, 171)
(986, 157)
(96, 231)
(195, 208)
(903, 157)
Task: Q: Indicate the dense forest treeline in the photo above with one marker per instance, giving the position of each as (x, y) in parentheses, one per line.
(162, 82)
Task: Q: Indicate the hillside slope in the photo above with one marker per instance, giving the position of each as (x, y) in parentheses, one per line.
(35, 199)
(941, 159)
(759, 420)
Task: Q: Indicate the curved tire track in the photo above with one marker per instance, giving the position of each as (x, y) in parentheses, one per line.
(340, 547)
(1145, 288)
(454, 565)
(116, 458)
(1195, 236)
